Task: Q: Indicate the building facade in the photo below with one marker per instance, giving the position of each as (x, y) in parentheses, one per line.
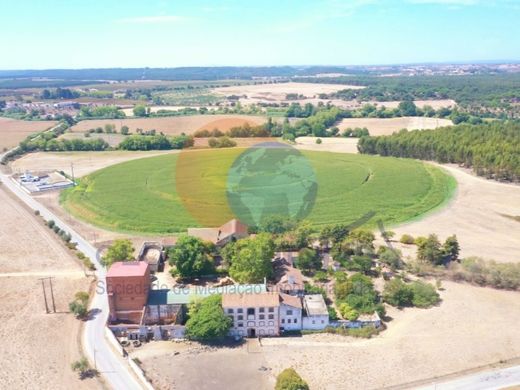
(253, 315)
(128, 285)
(315, 315)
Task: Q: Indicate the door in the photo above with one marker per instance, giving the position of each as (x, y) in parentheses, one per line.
(251, 332)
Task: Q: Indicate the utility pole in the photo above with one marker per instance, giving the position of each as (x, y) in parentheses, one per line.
(44, 296)
(72, 173)
(52, 295)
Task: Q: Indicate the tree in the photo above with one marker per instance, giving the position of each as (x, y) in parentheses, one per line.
(397, 293)
(407, 108)
(275, 224)
(289, 379)
(192, 257)
(348, 312)
(332, 234)
(424, 294)
(207, 320)
(308, 260)
(120, 250)
(250, 259)
(430, 250)
(387, 235)
(125, 130)
(359, 263)
(451, 248)
(139, 110)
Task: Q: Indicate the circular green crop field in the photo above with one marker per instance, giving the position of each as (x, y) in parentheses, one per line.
(170, 193)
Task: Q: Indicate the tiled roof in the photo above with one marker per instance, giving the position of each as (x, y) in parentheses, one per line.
(291, 300)
(266, 299)
(127, 268)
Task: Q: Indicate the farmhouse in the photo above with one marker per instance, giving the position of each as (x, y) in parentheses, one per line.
(289, 280)
(230, 231)
(290, 312)
(253, 315)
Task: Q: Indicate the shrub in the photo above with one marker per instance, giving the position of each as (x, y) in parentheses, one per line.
(407, 239)
(320, 276)
(207, 320)
(51, 223)
(348, 312)
(318, 141)
(289, 379)
(424, 294)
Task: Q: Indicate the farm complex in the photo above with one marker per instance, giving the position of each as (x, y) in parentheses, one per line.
(331, 227)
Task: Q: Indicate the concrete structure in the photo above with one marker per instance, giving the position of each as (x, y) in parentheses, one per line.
(253, 315)
(290, 312)
(153, 254)
(162, 308)
(230, 231)
(128, 284)
(316, 315)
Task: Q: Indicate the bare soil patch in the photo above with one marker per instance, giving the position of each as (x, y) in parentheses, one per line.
(84, 162)
(418, 344)
(387, 126)
(37, 348)
(170, 125)
(337, 145)
(476, 216)
(13, 131)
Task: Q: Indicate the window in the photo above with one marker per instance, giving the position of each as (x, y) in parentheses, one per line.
(251, 311)
(262, 323)
(288, 320)
(289, 312)
(271, 323)
(283, 320)
(240, 325)
(322, 321)
(240, 311)
(271, 316)
(261, 310)
(240, 317)
(262, 316)
(271, 310)
(296, 320)
(230, 311)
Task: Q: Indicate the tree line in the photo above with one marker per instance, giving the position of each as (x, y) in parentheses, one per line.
(491, 149)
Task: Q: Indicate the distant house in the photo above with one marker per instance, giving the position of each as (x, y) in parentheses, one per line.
(253, 315)
(315, 314)
(290, 312)
(230, 231)
(289, 280)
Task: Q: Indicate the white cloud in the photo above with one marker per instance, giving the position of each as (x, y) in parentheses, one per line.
(152, 19)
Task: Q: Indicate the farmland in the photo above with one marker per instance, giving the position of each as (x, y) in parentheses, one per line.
(386, 126)
(144, 196)
(173, 125)
(13, 131)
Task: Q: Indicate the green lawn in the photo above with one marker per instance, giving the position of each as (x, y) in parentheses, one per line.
(144, 196)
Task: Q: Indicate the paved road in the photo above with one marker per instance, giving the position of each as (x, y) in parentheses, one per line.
(496, 379)
(112, 366)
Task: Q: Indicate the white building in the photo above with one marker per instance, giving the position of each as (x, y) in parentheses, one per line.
(290, 312)
(253, 314)
(315, 315)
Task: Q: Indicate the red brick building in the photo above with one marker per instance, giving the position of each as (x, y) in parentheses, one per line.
(128, 284)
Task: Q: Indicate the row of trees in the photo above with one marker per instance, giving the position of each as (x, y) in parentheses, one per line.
(155, 142)
(100, 112)
(491, 149)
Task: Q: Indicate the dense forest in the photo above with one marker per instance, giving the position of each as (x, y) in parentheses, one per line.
(491, 149)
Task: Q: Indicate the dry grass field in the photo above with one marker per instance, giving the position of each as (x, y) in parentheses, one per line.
(435, 104)
(13, 131)
(477, 215)
(275, 92)
(174, 125)
(418, 344)
(84, 162)
(337, 145)
(387, 126)
(37, 348)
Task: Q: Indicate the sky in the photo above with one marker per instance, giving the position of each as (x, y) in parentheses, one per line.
(37, 34)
